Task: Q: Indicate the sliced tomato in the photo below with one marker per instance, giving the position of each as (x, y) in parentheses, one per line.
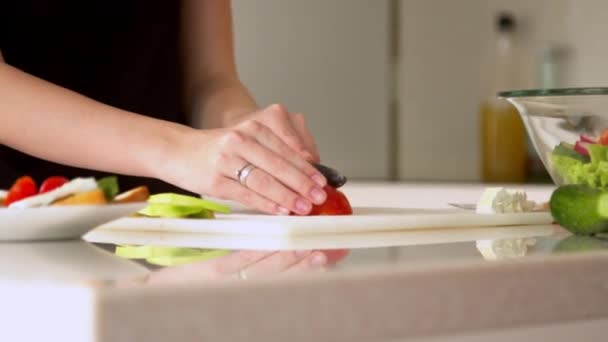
(52, 183)
(336, 204)
(603, 140)
(22, 188)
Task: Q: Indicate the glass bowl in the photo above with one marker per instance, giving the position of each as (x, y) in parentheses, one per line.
(569, 130)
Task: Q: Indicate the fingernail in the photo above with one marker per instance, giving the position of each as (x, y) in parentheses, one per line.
(303, 205)
(320, 180)
(318, 195)
(283, 211)
(318, 259)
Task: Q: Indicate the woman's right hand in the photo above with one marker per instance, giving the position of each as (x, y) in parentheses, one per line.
(208, 162)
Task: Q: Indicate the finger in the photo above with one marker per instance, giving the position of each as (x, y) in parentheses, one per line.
(273, 193)
(274, 164)
(269, 139)
(276, 263)
(237, 261)
(299, 124)
(314, 262)
(280, 123)
(230, 189)
(269, 187)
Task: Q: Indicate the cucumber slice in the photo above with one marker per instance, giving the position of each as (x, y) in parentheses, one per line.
(203, 214)
(169, 211)
(188, 201)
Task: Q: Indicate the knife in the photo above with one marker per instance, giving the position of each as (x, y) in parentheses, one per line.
(334, 178)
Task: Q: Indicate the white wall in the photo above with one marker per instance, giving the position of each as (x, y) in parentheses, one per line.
(587, 27)
(327, 59)
(444, 65)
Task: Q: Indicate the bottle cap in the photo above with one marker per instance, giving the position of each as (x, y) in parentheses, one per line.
(505, 22)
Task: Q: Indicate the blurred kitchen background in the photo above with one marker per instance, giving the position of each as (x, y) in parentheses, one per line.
(393, 89)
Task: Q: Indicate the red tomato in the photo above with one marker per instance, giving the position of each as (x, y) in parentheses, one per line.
(52, 183)
(24, 187)
(603, 140)
(336, 204)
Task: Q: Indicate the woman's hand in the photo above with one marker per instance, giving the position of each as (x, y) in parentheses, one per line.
(291, 128)
(282, 180)
(249, 265)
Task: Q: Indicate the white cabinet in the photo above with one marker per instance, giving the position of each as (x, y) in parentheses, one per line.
(327, 59)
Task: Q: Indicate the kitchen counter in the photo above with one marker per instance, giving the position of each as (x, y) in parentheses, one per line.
(456, 284)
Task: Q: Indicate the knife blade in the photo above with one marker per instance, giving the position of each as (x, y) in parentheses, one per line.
(334, 178)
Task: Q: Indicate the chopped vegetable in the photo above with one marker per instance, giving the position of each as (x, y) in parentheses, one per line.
(588, 139)
(109, 186)
(23, 188)
(181, 206)
(94, 197)
(603, 140)
(567, 150)
(581, 147)
(52, 183)
(188, 201)
(172, 211)
(139, 194)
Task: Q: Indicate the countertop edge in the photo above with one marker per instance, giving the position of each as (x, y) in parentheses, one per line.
(386, 302)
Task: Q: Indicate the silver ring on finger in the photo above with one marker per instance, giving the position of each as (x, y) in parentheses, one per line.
(244, 172)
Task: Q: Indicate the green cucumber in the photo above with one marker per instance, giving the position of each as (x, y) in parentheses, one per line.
(581, 209)
(188, 201)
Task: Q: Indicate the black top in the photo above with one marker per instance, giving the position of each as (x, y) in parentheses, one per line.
(124, 53)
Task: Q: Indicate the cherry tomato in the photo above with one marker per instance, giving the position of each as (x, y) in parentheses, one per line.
(603, 140)
(336, 204)
(22, 188)
(52, 183)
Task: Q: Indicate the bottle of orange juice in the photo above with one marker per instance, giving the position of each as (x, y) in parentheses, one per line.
(503, 136)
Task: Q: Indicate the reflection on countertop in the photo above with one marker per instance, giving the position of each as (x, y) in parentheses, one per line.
(176, 258)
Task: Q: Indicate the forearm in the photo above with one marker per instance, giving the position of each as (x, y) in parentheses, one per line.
(53, 123)
(221, 104)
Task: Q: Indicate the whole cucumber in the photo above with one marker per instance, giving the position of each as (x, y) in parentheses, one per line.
(581, 209)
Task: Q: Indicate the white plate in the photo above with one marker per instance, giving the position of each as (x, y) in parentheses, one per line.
(59, 222)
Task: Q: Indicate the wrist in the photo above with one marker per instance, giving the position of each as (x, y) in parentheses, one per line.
(166, 152)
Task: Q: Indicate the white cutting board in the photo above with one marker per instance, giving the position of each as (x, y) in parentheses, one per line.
(324, 241)
(362, 220)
